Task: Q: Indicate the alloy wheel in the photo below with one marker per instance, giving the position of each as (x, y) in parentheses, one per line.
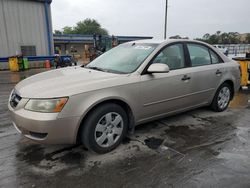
(223, 97)
(109, 129)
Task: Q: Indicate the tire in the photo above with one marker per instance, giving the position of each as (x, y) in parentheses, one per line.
(222, 98)
(104, 128)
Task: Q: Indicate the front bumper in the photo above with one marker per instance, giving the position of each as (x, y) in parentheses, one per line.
(45, 127)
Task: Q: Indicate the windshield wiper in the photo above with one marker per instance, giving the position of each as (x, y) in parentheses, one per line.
(96, 68)
(105, 70)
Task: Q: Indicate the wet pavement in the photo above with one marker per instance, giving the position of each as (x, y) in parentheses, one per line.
(199, 148)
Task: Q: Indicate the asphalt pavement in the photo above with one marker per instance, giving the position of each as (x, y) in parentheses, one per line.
(199, 148)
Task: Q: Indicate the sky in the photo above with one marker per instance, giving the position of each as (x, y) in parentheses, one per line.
(191, 18)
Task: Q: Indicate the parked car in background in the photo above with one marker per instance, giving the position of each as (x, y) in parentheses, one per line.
(131, 84)
(222, 49)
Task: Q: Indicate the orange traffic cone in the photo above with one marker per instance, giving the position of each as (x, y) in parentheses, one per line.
(47, 64)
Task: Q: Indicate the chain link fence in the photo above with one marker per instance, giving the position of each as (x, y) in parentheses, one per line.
(237, 48)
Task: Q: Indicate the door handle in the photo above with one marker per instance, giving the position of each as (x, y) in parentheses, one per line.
(185, 77)
(218, 72)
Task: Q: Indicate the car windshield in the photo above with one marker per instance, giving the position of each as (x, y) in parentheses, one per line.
(124, 59)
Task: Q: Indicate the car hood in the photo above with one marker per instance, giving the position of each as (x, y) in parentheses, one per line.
(66, 82)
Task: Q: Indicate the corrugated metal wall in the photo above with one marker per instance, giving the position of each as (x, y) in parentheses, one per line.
(22, 23)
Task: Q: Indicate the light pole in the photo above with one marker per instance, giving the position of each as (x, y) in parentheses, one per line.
(166, 20)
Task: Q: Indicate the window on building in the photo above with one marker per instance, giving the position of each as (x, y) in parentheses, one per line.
(28, 50)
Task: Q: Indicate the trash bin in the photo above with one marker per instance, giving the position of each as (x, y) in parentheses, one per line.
(25, 63)
(245, 66)
(20, 63)
(13, 64)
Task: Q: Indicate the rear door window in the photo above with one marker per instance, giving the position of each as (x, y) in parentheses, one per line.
(199, 55)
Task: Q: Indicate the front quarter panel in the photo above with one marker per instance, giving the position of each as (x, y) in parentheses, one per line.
(79, 105)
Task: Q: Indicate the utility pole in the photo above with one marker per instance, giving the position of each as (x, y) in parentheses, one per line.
(166, 20)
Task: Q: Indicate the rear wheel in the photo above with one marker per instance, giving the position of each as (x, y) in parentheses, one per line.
(104, 128)
(222, 98)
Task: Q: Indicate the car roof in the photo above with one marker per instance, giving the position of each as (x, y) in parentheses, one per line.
(155, 41)
(162, 43)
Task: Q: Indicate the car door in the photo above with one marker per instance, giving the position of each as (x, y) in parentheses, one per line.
(163, 93)
(207, 70)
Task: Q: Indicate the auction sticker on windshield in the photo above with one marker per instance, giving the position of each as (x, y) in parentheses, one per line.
(143, 47)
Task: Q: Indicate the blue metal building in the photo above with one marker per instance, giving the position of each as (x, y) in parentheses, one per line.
(25, 28)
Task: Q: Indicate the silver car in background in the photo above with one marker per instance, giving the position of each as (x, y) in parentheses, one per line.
(131, 84)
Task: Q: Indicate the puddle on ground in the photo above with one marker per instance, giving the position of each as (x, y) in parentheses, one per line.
(153, 143)
(36, 156)
(184, 135)
(146, 127)
(241, 100)
(126, 140)
(17, 77)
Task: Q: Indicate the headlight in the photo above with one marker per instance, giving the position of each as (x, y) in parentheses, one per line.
(46, 105)
(11, 94)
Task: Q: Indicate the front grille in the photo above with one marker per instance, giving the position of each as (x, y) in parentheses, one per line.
(14, 99)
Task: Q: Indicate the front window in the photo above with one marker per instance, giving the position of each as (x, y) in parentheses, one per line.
(173, 56)
(125, 58)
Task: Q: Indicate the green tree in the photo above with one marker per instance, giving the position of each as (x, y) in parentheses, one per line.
(175, 37)
(224, 38)
(233, 37)
(221, 38)
(68, 30)
(57, 32)
(218, 33)
(206, 36)
(89, 27)
(248, 38)
(86, 27)
(214, 39)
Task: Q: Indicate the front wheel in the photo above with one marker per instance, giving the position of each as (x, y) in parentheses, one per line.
(222, 98)
(104, 128)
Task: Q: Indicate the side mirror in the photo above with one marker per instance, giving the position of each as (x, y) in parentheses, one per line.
(158, 68)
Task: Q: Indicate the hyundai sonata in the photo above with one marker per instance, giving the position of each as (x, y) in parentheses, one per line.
(136, 82)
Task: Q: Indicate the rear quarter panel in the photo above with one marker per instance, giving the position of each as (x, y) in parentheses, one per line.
(232, 72)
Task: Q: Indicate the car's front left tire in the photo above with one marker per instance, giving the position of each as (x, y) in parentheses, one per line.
(104, 128)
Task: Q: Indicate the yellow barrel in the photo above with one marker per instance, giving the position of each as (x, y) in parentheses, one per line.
(13, 64)
(244, 71)
(244, 64)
